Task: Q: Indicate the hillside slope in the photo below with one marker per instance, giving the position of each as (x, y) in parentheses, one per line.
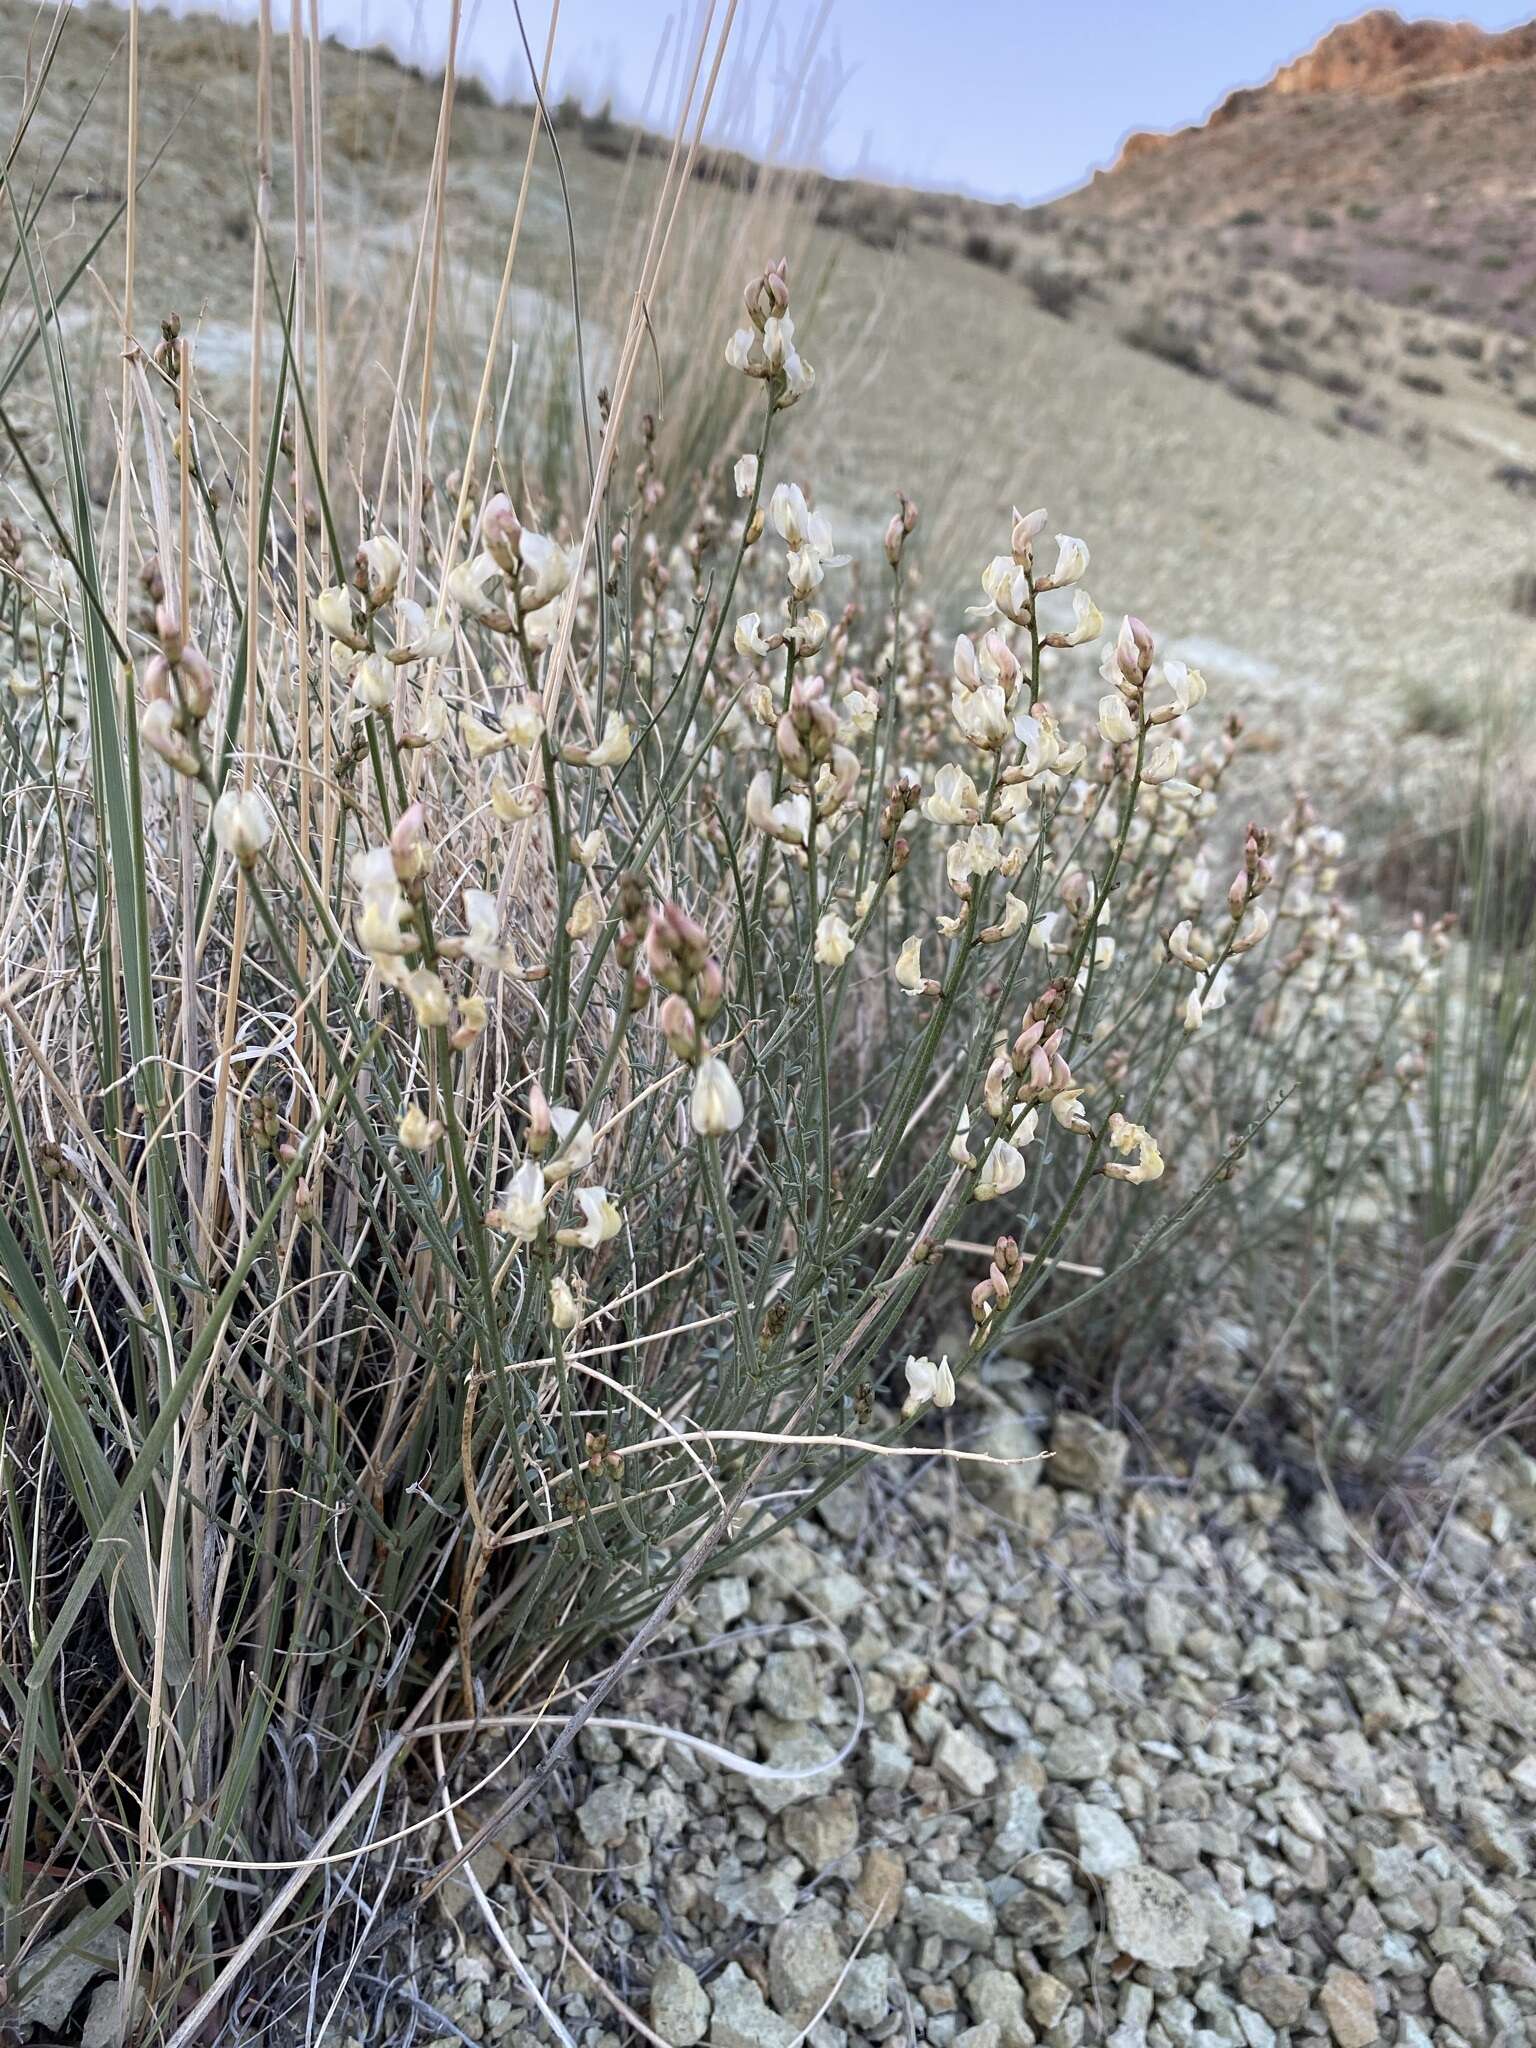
(1339, 549)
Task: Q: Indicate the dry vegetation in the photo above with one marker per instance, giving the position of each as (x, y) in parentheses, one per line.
(529, 968)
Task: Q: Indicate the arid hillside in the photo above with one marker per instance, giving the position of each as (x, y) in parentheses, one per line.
(1314, 479)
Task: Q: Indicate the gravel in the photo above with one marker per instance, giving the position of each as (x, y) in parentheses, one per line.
(1142, 1766)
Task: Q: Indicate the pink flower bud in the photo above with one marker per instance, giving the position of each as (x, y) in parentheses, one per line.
(708, 989)
(408, 844)
(680, 1028)
(501, 531)
(540, 1124)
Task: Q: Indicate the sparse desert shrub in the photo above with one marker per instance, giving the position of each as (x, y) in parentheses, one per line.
(980, 245)
(1054, 290)
(1248, 217)
(1155, 334)
(1422, 381)
(1253, 389)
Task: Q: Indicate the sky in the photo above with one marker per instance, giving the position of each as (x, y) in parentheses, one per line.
(1009, 99)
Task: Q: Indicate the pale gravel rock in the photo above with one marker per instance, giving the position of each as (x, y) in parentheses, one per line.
(679, 2004)
(1350, 2009)
(1104, 1843)
(1185, 1725)
(1153, 1918)
(741, 2017)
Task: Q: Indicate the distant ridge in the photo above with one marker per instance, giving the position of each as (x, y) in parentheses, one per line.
(1376, 55)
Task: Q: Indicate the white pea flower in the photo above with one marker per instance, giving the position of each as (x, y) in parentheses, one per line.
(909, 965)
(959, 1146)
(954, 800)
(373, 683)
(1001, 1172)
(788, 820)
(745, 475)
(512, 803)
(382, 560)
(333, 608)
(242, 824)
(482, 935)
(715, 1107)
(466, 588)
(927, 1381)
(834, 941)
(1162, 762)
(544, 570)
(1071, 563)
(519, 1211)
(981, 714)
(749, 637)
(573, 1143)
(480, 740)
(523, 723)
(417, 1131)
(978, 853)
(427, 997)
(564, 1309)
(1115, 720)
(1186, 684)
(1126, 1138)
(611, 751)
(600, 1220)
(1087, 623)
(1007, 586)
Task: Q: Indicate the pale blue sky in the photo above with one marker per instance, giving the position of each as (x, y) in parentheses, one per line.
(1009, 98)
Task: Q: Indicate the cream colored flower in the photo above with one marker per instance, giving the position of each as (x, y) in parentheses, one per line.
(482, 933)
(1007, 586)
(573, 1143)
(382, 560)
(927, 1381)
(586, 916)
(978, 853)
(909, 965)
(954, 800)
(981, 714)
(1126, 1138)
(749, 638)
(834, 941)
(242, 824)
(511, 802)
(519, 1211)
(715, 1107)
(1115, 720)
(480, 740)
(744, 475)
(564, 1309)
(1071, 563)
(1001, 1172)
(333, 608)
(788, 820)
(1087, 623)
(611, 751)
(417, 1131)
(601, 1220)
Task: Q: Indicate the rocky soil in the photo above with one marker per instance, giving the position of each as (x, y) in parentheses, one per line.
(1154, 1751)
